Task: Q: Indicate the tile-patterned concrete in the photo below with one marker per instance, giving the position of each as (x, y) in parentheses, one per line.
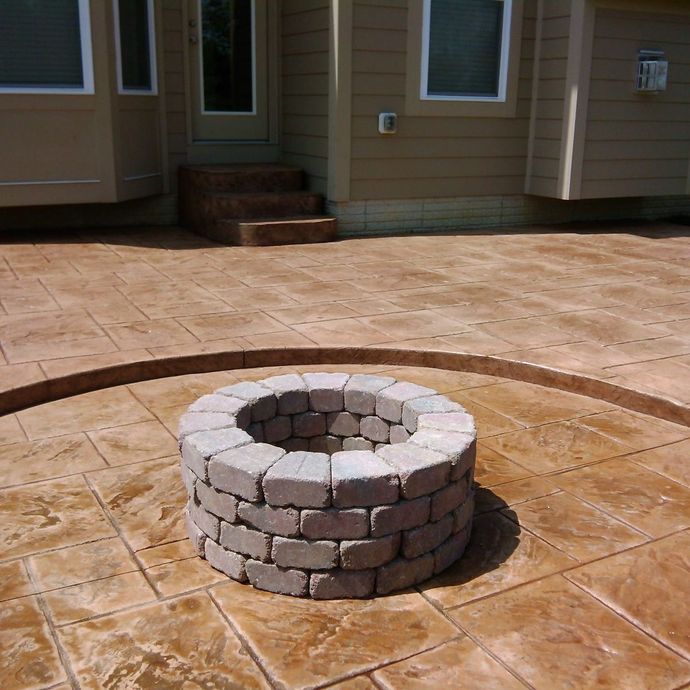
(576, 575)
(614, 305)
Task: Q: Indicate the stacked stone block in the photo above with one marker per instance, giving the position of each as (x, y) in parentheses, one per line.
(328, 485)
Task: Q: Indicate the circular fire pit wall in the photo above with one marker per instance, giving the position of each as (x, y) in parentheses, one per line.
(328, 485)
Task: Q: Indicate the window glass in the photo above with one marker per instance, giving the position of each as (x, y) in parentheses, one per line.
(228, 55)
(40, 44)
(464, 48)
(135, 51)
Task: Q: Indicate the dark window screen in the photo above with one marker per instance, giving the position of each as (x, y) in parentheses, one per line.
(40, 44)
(465, 47)
(134, 45)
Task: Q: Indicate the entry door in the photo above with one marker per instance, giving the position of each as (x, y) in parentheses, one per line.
(229, 69)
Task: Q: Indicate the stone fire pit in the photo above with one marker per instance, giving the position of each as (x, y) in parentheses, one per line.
(328, 485)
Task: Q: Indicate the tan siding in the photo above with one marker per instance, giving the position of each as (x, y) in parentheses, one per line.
(174, 94)
(305, 44)
(637, 144)
(429, 156)
(550, 99)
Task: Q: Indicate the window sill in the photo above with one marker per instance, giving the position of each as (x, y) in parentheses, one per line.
(429, 107)
(47, 91)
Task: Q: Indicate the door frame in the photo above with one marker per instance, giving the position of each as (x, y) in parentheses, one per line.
(199, 152)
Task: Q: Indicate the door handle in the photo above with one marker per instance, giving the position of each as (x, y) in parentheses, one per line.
(193, 38)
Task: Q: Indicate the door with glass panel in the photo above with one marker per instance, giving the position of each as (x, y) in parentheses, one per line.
(228, 54)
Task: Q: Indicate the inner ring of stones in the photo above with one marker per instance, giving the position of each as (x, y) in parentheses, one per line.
(328, 485)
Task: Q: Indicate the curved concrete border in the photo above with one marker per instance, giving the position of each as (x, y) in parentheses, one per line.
(20, 397)
(286, 491)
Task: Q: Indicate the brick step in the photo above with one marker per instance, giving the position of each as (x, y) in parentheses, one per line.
(241, 177)
(261, 232)
(252, 204)
(215, 206)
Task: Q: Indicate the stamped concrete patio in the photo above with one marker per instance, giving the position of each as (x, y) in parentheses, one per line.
(577, 573)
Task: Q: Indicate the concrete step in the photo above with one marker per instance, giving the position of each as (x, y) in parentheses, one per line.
(215, 206)
(261, 232)
(241, 177)
(252, 204)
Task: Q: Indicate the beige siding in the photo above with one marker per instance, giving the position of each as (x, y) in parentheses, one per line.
(59, 148)
(305, 44)
(173, 84)
(549, 101)
(637, 144)
(435, 156)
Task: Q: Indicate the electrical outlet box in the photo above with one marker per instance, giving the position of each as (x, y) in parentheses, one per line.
(652, 71)
(388, 123)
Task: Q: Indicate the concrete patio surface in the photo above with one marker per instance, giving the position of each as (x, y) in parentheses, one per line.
(612, 305)
(577, 572)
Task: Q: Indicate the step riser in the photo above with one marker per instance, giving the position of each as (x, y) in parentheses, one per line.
(212, 208)
(242, 182)
(233, 203)
(267, 234)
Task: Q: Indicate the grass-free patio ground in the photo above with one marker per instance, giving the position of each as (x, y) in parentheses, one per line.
(578, 569)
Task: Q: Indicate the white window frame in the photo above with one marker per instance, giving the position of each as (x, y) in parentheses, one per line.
(153, 67)
(202, 99)
(503, 67)
(86, 63)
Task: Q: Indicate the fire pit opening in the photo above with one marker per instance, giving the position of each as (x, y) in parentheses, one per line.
(328, 485)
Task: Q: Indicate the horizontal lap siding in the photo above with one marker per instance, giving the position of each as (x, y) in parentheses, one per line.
(305, 43)
(637, 144)
(430, 156)
(548, 114)
(175, 97)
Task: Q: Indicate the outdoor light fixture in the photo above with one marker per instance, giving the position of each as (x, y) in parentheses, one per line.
(652, 71)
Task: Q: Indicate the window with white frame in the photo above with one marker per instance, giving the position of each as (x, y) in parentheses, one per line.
(135, 46)
(465, 48)
(45, 46)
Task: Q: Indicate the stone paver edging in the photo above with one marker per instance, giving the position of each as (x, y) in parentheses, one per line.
(328, 485)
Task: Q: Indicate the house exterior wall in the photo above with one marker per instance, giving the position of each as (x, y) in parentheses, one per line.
(540, 157)
(99, 147)
(537, 164)
(174, 88)
(304, 89)
(54, 147)
(548, 97)
(431, 156)
(611, 141)
(637, 144)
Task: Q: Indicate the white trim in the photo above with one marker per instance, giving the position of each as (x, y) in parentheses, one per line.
(153, 72)
(145, 176)
(86, 63)
(200, 48)
(21, 183)
(503, 67)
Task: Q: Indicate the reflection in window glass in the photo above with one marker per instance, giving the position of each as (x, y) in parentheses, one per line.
(40, 44)
(227, 55)
(135, 51)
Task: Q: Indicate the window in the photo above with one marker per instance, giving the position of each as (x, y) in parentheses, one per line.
(136, 46)
(228, 56)
(45, 46)
(465, 48)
